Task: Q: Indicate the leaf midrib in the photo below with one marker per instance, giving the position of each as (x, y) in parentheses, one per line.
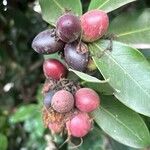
(120, 122)
(132, 32)
(58, 5)
(125, 71)
(103, 4)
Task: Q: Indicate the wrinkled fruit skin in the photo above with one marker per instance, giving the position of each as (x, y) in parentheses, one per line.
(79, 125)
(68, 28)
(86, 100)
(54, 69)
(46, 43)
(47, 98)
(55, 127)
(62, 101)
(76, 60)
(94, 25)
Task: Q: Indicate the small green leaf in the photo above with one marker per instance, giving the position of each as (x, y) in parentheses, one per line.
(87, 77)
(108, 5)
(129, 74)
(133, 28)
(121, 123)
(3, 142)
(53, 9)
(54, 56)
(24, 112)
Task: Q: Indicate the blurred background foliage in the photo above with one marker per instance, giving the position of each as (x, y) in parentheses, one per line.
(21, 77)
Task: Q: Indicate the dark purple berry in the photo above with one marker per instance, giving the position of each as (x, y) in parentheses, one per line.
(47, 98)
(76, 55)
(68, 28)
(46, 42)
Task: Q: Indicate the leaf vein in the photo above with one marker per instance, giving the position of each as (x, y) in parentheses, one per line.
(120, 122)
(58, 5)
(131, 32)
(103, 4)
(113, 59)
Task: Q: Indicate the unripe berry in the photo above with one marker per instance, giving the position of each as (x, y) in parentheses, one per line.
(94, 25)
(74, 57)
(54, 69)
(86, 100)
(62, 101)
(55, 127)
(68, 28)
(47, 43)
(79, 125)
(47, 98)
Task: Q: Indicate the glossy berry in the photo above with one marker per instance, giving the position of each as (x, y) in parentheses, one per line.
(62, 101)
(54, 69)
(68, 28)
(47, 43)
(79, 125)
(86, 100)
(76, 56)
(47, 98)
(94, 25)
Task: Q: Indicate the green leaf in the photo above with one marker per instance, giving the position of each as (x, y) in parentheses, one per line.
(3, 142)
(35, 126)
(129, 74)
(87, 77)
(52, 9)
(108, 5)
(102, 88)
(96, 138)
(24, 112)
(121, 123)
(118, 146)
(132, 28)
(54, 56)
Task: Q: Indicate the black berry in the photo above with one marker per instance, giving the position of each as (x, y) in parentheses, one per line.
(68, 28)
(47, 98)
(46, 42)
(76, 55)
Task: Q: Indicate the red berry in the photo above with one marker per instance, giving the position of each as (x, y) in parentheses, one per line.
(47, 43)
(68, 28)
(86, 100)
(54, 69)
(94, 25)
(79, 125)
(62, 101)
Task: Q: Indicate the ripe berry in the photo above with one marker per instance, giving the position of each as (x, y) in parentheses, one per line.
(76, 55)
(54, 69)
(62, 101)
(47, 98)
(86, 100)
(68, 28)
(46, 42)
(79, 125)
(94, 25)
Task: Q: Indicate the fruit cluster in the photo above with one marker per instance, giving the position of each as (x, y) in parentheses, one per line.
(66, 104)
